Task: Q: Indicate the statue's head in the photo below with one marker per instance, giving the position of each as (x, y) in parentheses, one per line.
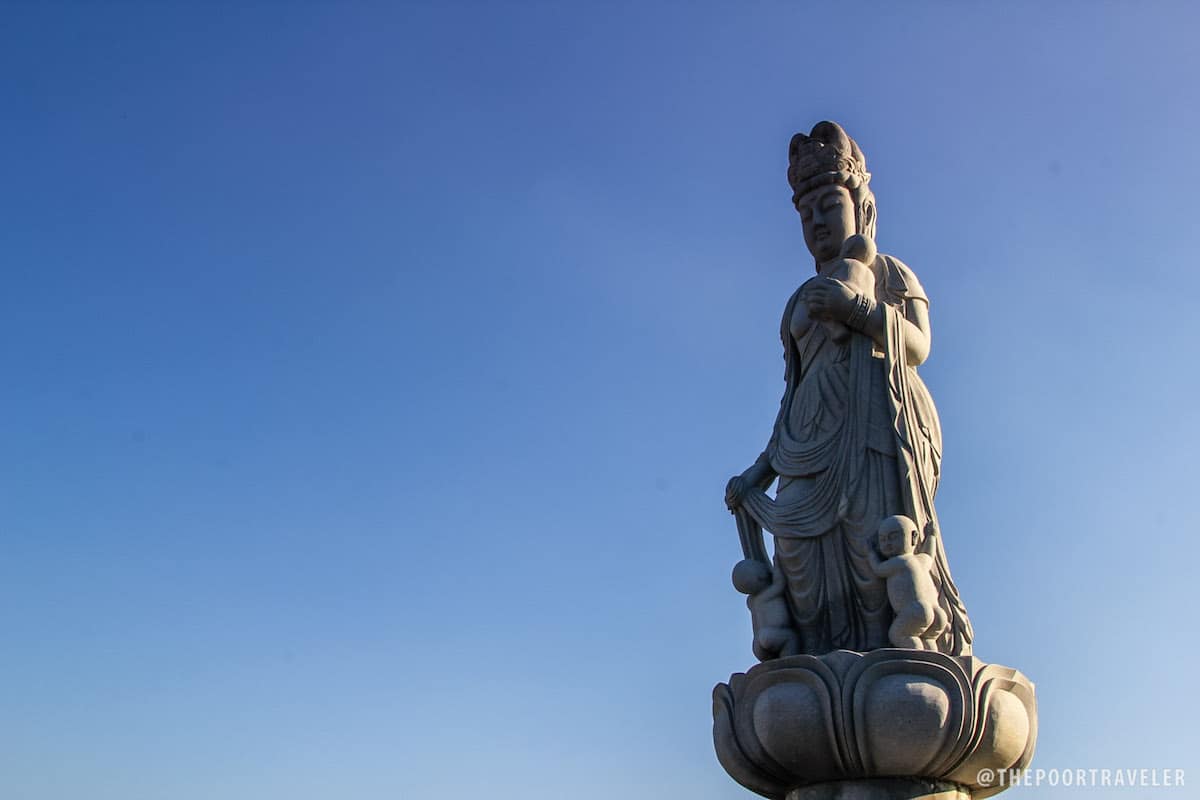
(751, 576)
(896, 535)
(830, 189)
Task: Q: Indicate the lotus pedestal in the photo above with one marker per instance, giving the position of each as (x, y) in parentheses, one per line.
(886, 725)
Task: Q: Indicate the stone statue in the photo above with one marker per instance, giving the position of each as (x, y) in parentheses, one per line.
(867, 687)
(910, 589)
(857, 437)
(773, 634)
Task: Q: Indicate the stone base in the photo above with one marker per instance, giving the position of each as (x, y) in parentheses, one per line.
(881, 789)
(890, 724)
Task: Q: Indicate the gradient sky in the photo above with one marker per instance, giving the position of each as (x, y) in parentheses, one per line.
(373, 373)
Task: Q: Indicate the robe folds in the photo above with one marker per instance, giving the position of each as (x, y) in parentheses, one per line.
(857, 439)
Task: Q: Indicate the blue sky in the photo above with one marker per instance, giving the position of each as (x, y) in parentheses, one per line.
(373, 373)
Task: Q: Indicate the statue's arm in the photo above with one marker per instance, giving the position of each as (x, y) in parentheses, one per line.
(761, 473)
(776, 587)
(878, 565)
(916, 329)
(831, 298)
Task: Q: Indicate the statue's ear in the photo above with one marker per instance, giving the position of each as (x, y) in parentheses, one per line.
(868, 216)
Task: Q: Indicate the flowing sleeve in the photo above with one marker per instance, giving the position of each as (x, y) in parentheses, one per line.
(918, 445)
(791, 373)
(790, 356)
(898, 283)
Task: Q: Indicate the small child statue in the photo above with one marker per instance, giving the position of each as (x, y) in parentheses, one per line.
(852, 268)
(914, 598)
(770, 618)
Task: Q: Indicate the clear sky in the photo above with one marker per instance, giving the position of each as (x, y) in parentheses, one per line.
(372, 373)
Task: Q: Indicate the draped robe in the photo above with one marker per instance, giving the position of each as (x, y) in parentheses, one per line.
(857, 439)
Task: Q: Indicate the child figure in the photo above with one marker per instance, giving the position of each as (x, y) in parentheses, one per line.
(770, 618)
(853, 268)
(914, 598)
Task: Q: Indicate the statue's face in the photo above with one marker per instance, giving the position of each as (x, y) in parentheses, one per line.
(893, 540)
(827, 213)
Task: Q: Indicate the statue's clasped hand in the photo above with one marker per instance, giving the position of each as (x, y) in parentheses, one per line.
(735, 490)
(828, 298)
(754, 477)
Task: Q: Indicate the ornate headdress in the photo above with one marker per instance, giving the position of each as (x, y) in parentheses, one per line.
(827, 155)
